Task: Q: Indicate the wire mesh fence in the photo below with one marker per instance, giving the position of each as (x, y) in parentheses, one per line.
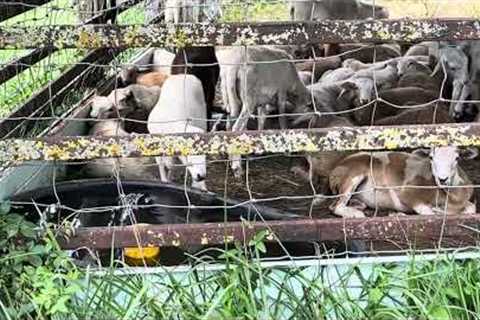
(109, 122)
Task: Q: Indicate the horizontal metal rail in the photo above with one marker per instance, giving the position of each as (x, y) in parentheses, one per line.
(11, 8)
(453, 230)
(260, 33)
(240, 143)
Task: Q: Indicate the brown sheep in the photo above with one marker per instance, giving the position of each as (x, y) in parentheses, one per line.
(132, 75)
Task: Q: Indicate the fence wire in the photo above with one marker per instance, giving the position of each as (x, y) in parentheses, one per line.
(315, 86)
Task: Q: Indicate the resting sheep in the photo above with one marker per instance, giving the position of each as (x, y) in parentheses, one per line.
(357, 176)
(319, 66)
(362, 52)
(162, 61)
(181, 108)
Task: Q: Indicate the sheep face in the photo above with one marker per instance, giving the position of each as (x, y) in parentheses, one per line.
(444, 162)
(358, 90)
(196, 165)
(100, 105)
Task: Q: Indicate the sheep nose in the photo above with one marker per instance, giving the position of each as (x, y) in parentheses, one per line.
(457, 115)
(443, 180)
(199, 178)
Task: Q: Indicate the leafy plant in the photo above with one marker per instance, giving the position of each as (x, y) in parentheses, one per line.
(36, 278)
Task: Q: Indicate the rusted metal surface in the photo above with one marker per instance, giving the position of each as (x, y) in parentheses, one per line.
(261, 33)
(240, 143)
(454, 230)
(11, 8)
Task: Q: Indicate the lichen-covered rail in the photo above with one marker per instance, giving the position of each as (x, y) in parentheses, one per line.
(248, 33)
(239, 143)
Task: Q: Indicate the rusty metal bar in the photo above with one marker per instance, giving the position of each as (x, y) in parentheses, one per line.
(240, 143)
(454, 230)
(261, 33)
(11, 8)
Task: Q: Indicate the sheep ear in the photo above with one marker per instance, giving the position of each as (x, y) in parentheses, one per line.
(464, 46)
(346, 86)
(469, 153)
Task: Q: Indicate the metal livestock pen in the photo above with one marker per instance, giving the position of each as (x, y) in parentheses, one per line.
(106, 41)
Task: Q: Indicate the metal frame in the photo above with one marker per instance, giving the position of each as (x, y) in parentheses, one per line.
(240, 143)
(456, 230)
(405, 232)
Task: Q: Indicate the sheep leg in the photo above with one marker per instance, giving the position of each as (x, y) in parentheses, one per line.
(262, 115)
(196, 166)
(177, 12)
(340, 207)
(282, 110)
(162, 169)
(239, 125)
(228, 125)
(423, 209)
(470, 208)
(196, 11)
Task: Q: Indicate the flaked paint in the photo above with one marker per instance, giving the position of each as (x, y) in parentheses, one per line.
(250, 33)
(240, 143)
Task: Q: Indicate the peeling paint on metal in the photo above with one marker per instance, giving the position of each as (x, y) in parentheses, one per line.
(261, 33)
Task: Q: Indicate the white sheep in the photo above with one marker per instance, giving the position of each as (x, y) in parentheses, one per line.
(181, 108)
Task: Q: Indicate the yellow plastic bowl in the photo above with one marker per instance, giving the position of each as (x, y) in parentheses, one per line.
(137, 256)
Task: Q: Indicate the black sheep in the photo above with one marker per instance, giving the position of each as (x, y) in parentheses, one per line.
(202, 63)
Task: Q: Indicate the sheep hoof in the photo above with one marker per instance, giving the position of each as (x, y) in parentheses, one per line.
(357, 204)
(319, 200)
(237, 172)
(300, 172)
(470, 208)
(201, 185)
(396, 214)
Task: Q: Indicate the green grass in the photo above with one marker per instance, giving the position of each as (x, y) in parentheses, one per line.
(442, 289)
